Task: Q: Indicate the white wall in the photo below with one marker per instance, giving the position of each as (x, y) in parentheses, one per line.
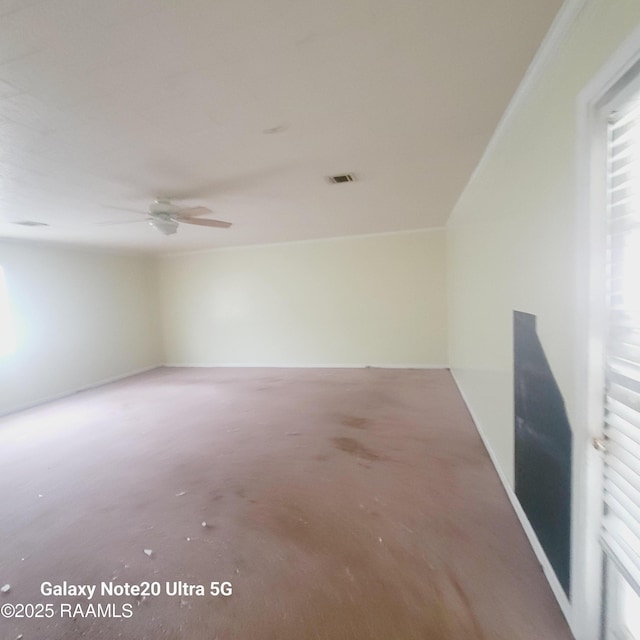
(512, 244)
(82, 317)
(376, 300)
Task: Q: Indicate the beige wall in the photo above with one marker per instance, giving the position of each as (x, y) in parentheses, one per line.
(377, 300)
(82, 317)
(512, 240)
(512, 237)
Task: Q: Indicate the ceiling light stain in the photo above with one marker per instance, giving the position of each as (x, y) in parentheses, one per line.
(279, 129)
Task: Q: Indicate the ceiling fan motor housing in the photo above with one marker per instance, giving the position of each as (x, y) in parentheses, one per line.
(163, 206)
(163, 223)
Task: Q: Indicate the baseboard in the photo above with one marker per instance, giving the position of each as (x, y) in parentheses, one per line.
(99, 383)
(284, 365)
(66, 394)
(556, 587)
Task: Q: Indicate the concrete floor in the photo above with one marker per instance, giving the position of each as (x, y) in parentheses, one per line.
(340, 504)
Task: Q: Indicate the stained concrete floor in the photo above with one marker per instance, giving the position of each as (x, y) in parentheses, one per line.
(340, 504)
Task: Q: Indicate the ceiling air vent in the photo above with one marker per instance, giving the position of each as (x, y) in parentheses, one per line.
(347, 177)
(31, 223)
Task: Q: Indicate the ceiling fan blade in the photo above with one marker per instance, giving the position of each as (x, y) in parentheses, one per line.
(143, 213)
(206, 223)
(102, 224)
(192, 212)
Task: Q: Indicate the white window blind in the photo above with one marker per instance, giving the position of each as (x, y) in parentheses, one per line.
(621, 521)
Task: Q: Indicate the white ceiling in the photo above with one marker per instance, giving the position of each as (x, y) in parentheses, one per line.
(113, 103)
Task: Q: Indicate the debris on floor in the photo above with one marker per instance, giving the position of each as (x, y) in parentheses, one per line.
(5, 588)
(149, 552)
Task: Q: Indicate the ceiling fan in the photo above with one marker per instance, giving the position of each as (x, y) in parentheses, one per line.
(166, 216)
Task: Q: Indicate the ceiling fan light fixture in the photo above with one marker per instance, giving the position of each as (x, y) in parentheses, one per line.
(164, 225)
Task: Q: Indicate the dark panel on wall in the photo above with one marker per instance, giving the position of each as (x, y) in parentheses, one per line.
(543, 447)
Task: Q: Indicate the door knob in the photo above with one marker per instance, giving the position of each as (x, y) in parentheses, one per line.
(599, 444)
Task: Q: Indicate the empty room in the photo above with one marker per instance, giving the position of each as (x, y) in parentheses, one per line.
(320, 319)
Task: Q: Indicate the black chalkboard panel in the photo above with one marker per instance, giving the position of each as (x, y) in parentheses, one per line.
(543, 447)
